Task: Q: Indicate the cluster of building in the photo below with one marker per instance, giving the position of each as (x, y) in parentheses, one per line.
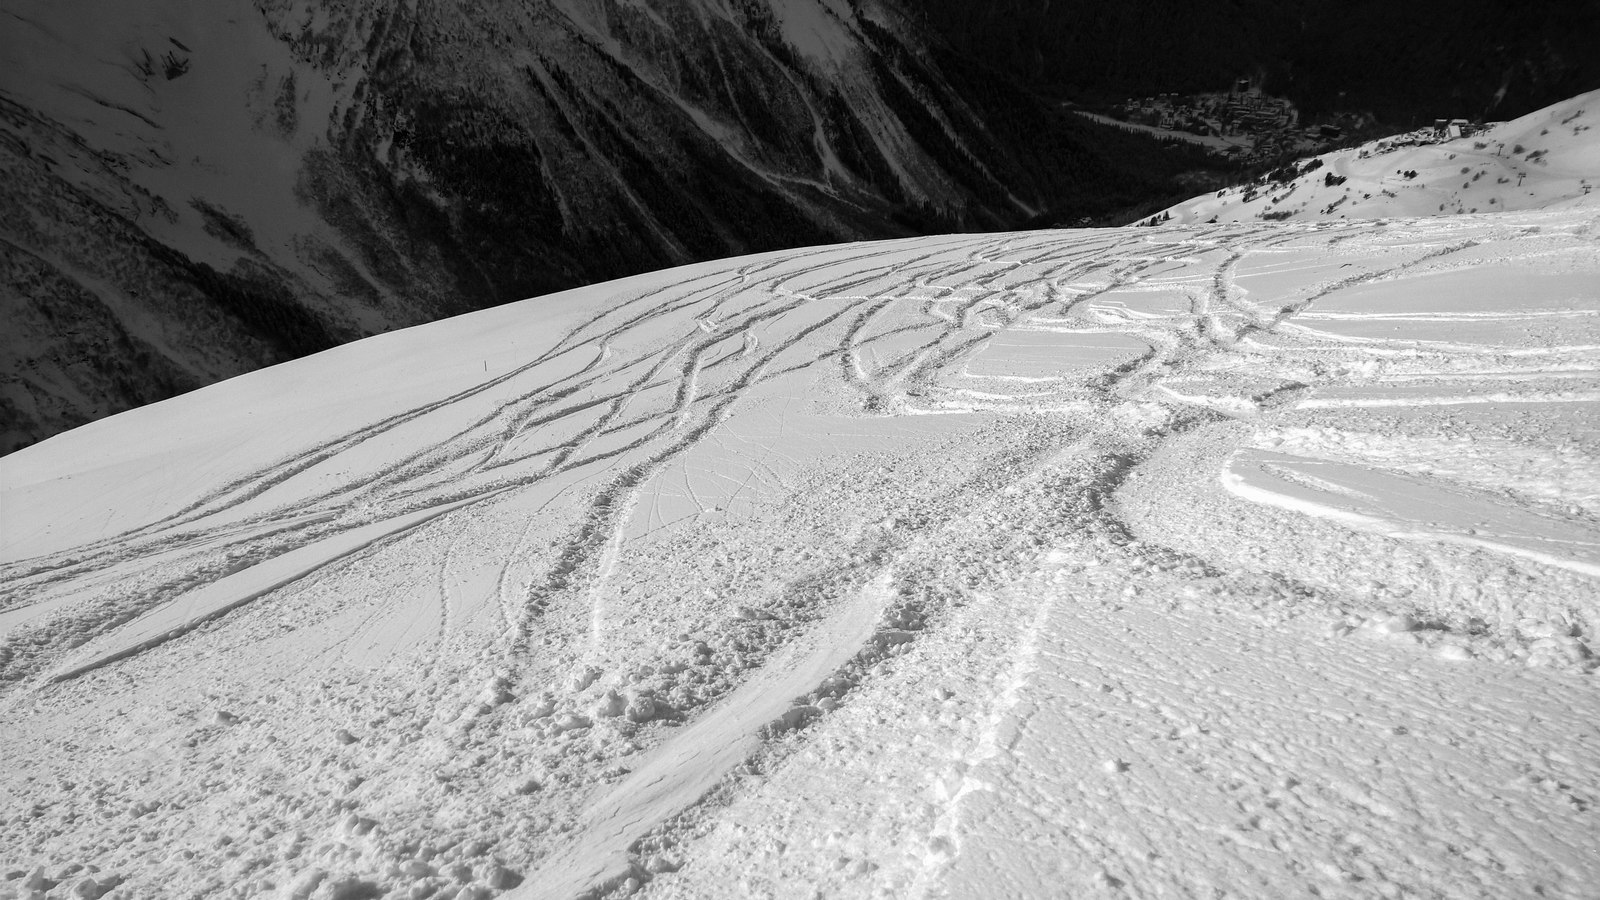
(1442, 130)
(1249, 125)
(1242, 110)
(1249, 122)
(1449, 129)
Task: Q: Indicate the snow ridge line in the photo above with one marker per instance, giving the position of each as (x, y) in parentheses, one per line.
(396, 471)
(251, 485)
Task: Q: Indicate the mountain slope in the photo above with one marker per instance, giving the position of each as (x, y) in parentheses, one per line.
(1547, 159)
(204, 190)
(1257, 559)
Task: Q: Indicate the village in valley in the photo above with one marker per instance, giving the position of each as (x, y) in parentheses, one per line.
(1249, 126)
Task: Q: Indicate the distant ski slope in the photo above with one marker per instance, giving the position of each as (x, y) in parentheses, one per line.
(1545, 160)
(1244, 558)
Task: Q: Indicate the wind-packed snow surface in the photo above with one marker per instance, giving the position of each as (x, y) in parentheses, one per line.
(1197, 561)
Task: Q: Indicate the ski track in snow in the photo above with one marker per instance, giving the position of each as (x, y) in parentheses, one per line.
(1258, 560)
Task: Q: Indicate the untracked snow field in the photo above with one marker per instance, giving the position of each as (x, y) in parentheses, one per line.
(1203, 561)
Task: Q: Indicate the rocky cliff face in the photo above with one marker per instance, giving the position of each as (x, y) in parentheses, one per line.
(197, 190)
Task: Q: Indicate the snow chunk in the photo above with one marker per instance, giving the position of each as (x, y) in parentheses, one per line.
(572, 722)
(581, 679)
(1390, 624)
(609, 706)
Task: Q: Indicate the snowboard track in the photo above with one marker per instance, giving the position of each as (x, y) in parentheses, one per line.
(649, 387)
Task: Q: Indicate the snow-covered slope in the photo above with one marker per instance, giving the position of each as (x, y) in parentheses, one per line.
(1548, 159)
(1253, 560)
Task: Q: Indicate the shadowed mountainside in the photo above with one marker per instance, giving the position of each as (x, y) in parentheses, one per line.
(204, 191)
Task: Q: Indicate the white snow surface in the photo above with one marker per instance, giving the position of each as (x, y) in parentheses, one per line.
(1230, 560)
